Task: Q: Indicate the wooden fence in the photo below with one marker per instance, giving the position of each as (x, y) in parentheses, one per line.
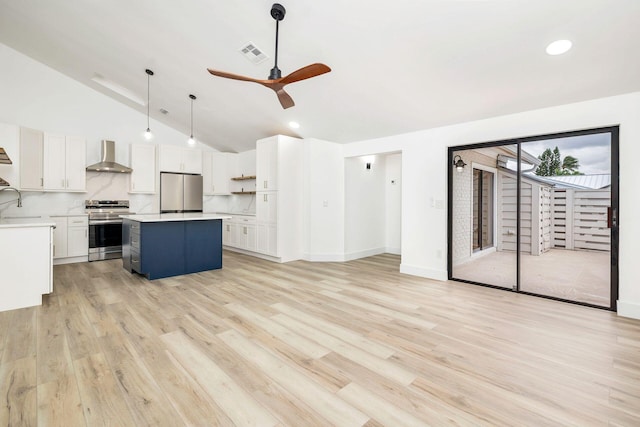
(579, 219)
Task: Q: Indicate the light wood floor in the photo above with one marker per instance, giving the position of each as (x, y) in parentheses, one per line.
(310, 344)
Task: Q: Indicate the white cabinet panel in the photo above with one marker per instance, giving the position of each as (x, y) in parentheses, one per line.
(174, 158)
(143, 163)
(75, 163)
(267, 164)
(64, 163)
(77, 236)
(54, 162)
(60, 238)
(267, 239)
(31, 159)
(71, 236)
(267, 207)
(77, 241)
(191, 161)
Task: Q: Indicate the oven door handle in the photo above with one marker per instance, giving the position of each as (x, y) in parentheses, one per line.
(105, 221)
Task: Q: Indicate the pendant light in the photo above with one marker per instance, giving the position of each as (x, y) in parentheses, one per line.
(191, 140)
(147, 134)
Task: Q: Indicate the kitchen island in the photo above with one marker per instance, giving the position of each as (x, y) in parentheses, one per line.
(26, 263)
(172, 244)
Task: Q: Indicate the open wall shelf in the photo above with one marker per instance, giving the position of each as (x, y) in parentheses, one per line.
(243, 178)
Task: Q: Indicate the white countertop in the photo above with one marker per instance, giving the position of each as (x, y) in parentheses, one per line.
(237, 213)
(191, 216)
(28, 224)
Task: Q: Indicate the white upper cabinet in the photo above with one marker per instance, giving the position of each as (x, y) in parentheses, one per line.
(31, 159)
(174, 158)
(216, 172)
(143, 163)
(267, 164)
(64, 163)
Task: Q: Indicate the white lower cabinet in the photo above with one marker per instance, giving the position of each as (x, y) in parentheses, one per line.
(70, 237)
(267, 239)
(77, 236)
(60, 237)
(240, 232)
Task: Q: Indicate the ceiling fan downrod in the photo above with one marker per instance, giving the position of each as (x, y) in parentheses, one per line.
(277, 12)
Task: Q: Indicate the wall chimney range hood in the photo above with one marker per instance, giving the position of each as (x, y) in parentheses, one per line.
(108, 162)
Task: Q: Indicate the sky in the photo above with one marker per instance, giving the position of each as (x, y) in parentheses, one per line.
(592, 151)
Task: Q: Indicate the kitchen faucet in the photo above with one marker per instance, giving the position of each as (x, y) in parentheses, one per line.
(17, 191)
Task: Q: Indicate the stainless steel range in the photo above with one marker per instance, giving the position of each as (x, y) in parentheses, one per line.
(105, 228)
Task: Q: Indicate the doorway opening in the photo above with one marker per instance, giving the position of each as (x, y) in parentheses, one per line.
(538, 215)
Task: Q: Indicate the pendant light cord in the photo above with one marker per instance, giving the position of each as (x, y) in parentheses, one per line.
(191, 117)
(148, 78)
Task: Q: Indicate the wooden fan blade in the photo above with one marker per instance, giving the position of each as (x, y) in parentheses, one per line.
(305, 73)
(234, 76)
(285, 100)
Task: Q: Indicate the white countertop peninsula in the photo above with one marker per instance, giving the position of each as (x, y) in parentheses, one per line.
(26, 263)
(168, 217)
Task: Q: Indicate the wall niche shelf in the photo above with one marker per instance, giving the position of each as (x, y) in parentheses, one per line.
(243, 192)
(243, 178)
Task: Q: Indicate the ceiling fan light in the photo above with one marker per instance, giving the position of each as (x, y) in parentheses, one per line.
(559, 47)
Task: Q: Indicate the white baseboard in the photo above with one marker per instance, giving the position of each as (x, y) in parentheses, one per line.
(427, 273)
(629, 309)
(70, 260)
(393, 251)
(363, 254)
(323, 257)
(253, 254)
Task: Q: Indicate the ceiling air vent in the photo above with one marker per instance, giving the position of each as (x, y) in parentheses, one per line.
(163, 111)
(252, 53)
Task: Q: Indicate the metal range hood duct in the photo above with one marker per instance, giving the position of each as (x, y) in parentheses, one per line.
(108, 162)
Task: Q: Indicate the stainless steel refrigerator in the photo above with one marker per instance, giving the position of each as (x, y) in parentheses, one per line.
(180, 192)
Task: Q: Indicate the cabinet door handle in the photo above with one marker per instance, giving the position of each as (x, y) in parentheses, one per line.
(62, 183)
(245, 230)
(264, 196)
(213, 188)
(67, 182)
(265, 184)
(41, 182)
(85, 234)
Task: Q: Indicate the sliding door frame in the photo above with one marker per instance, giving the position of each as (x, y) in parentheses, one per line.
(614, 131)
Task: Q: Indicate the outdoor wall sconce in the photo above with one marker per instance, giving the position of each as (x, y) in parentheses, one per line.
(459, 164)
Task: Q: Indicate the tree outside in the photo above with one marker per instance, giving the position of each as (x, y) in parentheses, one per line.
(552, 165)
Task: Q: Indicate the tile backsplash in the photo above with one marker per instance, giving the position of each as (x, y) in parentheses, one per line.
(108, 186)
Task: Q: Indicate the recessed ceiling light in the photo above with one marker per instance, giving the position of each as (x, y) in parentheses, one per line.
(294, 125)
(559, 47)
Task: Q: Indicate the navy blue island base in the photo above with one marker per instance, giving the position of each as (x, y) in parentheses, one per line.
(171, 248)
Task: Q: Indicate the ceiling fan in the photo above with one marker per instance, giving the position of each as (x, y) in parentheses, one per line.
(276, 82)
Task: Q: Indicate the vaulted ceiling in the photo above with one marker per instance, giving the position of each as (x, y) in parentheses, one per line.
(397, 66)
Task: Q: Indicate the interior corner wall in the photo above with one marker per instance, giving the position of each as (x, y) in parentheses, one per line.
(425, 170)
(393, 203)
(323, 198)
(365, 208)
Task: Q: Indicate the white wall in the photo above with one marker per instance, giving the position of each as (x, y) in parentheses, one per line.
(323, 198)
(365, 207)
(425, 167)
(393, 203)
(35, 96)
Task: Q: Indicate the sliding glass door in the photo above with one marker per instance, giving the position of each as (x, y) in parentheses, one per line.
(484, 217)
(537, 215)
